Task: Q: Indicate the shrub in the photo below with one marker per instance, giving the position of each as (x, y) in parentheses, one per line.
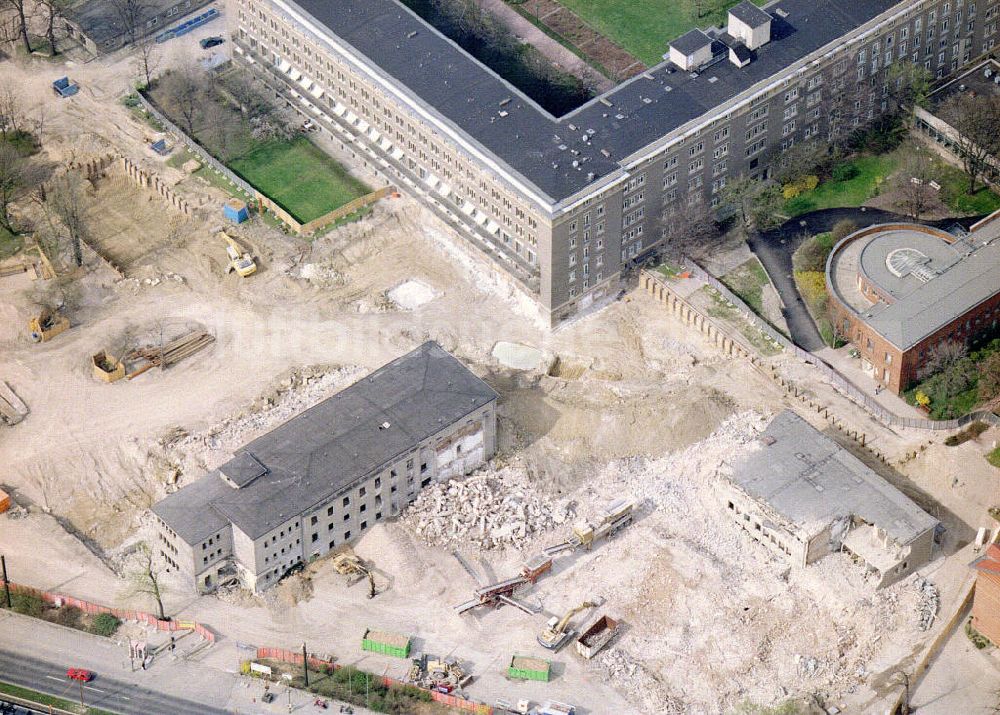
(842, 229)
(844, 172)
(812, 285)
(812, 254)
(28, 604)
(105, 624)
(921, 399)
(989, 377)
(977, 638)
(971, 432)
(67, 616)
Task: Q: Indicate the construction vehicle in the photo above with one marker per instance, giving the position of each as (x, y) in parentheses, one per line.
(596, 636)
(554, 708)
(348, 563)
(47, 324)
(557, 633)
(441, 674)
(240, 259)
(617, 516)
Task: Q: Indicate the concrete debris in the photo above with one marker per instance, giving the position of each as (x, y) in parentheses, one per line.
(492, 509)
(930, 602)
(641, 685)
(321, 274)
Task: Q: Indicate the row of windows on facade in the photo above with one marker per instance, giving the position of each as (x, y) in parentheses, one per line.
(451, 156)
(759, 531)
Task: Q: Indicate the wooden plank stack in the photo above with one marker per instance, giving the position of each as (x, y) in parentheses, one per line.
(170, 354)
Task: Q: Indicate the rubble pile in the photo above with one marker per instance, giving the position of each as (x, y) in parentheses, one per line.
(930, 601)
(641, 685)
(494, 508)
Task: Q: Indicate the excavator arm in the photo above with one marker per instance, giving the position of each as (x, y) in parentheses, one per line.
(564, 621)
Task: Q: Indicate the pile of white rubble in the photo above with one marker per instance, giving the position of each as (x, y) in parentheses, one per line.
(493, 508)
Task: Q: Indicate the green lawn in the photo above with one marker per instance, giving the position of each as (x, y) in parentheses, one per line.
(646, 27)
(43, 699)
(9, 243)
(953, 189)
(299, 176)
(748, 281)
(993, 457)
(871, 172)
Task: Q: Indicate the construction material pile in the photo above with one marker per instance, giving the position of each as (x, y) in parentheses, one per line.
(930, 601)
(169, 353)
(494, 508)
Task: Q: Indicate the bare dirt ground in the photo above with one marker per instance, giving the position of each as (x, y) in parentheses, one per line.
(635, 405)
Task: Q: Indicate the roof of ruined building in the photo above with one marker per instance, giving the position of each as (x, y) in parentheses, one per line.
(331, 446)
(810, 481)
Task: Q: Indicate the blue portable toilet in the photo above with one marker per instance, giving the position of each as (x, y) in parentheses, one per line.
(236, 211)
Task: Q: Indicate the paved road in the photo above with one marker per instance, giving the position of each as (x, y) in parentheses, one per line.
(103, 692)
(774, 248)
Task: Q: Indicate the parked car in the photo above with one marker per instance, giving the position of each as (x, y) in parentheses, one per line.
(212, 41)
(320, 703)
(79, 674)
(268, 697)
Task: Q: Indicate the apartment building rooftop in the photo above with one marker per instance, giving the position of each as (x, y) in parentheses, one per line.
(561, 156)
(810, 481)
(328, 447)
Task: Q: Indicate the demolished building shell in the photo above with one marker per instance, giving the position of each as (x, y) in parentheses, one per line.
(323, 477)
(803, 496)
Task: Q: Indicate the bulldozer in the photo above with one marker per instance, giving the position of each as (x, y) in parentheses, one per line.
(350, 564)
(47, 324)
(557, 632)
(240, 260)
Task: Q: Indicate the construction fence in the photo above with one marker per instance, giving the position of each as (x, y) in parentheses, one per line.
(93, 609)
(831, 374)
(289, 656)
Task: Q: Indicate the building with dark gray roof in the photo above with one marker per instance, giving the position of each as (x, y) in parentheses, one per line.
(898, 291)
(329, 473)
(567, 206)
(103, 26)
(803, 496)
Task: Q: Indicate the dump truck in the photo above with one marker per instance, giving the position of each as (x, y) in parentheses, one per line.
(240, 260)
(557, 632)
(47, 325)
(596, 636)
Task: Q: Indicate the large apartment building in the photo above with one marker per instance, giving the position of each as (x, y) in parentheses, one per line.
(325, 476)
(566, 206)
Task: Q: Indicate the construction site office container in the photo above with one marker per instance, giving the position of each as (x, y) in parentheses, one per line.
(392, 644)
(525, 668)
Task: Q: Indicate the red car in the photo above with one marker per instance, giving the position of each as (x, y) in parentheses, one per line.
(79, 674)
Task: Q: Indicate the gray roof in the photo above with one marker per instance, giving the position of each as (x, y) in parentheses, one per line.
(334, 444)
(811, 481)
(949, 280)
(188, 511)
(426, 66)
(691, 41)
(100, 20)
(750, 14)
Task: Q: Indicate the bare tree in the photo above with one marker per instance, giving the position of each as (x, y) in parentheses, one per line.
(12, 179)
(12, 112)
(19, 8)
(184, 88)
(689, 231)
(912, 183)
(65, 200)
(943, 356)
(975, 119)
(144, 577)
(53, 10)
(133, 15)
(147, 57)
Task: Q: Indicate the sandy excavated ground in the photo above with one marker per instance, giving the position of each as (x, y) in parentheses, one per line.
(627, 402)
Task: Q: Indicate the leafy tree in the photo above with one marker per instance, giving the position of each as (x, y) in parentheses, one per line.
(989, 378)
(755, 203)
(909, 84)
(802, 160)
(13, 177)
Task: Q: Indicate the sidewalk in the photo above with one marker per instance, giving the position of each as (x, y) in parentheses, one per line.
(850, 368)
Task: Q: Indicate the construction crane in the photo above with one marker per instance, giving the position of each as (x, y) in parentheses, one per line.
(349, 564)
(556, 633)
(240, 260)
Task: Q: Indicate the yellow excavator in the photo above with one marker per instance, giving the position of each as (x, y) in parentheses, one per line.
(240, 259)
(556, 632)
(350, 564)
